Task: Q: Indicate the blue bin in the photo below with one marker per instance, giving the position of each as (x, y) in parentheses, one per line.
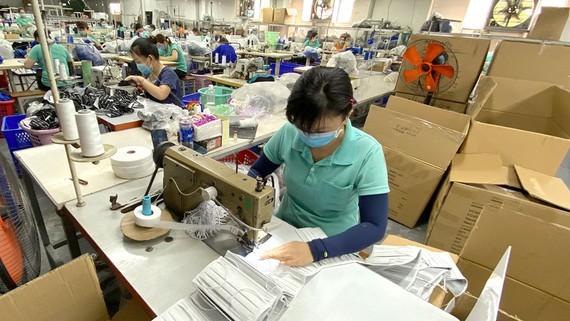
(284, 68)
(191, 97)
(16, 137)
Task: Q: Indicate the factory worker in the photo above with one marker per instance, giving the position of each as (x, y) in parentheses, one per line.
(312, 40)
(160, 83)
(169, 51)
(225, 49)
(85, 32)
(34, 55)
(335, 174)
(341, 43)
(139, 31)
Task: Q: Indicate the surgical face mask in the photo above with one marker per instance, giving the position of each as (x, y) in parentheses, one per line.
(144, 69)
(83, 33)
(341, 42)
(319, 139)
(161, 47)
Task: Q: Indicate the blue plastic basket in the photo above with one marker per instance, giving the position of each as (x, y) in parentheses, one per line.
(191, 97)
(284, 68)
(16, 137)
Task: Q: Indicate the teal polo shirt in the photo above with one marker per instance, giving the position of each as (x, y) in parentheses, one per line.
(325, 194)
(182, 66)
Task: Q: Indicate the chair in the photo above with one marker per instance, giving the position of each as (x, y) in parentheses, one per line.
(188, 80)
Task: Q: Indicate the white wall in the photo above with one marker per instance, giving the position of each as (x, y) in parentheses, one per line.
(411, 13)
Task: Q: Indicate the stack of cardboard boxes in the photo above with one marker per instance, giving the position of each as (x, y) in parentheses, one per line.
(278, 15)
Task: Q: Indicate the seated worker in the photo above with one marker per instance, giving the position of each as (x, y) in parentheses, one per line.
(335, 175)
(24, 21)
(341, 43)
(160, 83)
(312, 40)
(35, 55)
(225, 49)
(169, 51)
(139, 31)
(85, 32)
(196, 32)
(181, 31)
(151, 28)
(120, 26)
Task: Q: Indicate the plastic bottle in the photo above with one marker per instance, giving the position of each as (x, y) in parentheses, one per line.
(210, 96)
(186, 129)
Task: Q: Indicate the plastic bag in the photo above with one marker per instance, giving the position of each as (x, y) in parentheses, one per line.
(312, 52)
(289, 79)
(197, 48)
(87, 51)
(111, 46)
(6, 50)
(344, 60)
(259, 100)
(159, 116)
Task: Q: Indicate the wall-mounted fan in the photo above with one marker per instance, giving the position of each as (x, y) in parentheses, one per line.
(512, 14)
(429, 68)
(322, 9)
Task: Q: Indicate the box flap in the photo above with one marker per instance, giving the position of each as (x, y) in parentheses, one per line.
(70, 292)
(483, 91)
(431, 142)
(482, 169)
(550, 23)
(544, 187)
(291, 11)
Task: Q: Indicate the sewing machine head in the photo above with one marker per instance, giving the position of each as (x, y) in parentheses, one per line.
(247, 67)
(186, 173)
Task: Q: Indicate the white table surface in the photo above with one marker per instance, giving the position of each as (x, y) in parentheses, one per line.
(276, 55)
(371, 88)
(21, 40)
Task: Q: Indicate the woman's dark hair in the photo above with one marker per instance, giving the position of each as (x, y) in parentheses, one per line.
(153, 26)
(320, 92)
(119, 24)
(82, 25)
(223, 40)
(162, 39)
(138, 26)
(143, 47)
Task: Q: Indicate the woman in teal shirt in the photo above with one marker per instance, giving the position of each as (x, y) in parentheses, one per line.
(171, 52)
(335, 174)
(312, 40)
(35, 55)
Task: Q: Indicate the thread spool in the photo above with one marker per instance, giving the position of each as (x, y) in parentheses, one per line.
(132, 162)
(66, 113)
(63, 72)
(146, 210)
(209, 193)
(147, 220)
(224, 60)
(217, 59)
(89, 136)
(56, 65)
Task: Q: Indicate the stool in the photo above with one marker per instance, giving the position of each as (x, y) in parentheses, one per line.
(188, 80)
(25, 95)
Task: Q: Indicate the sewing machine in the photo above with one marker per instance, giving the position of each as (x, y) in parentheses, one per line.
(103, 74)
(247, 68)
(187, 174)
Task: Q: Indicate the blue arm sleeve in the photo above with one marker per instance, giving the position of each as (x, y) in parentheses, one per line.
(262, 167)
(372, 227)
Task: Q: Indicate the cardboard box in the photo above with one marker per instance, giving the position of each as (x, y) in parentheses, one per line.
(476, 182)
(208, 145)
(284, 15)
(465, 303)
(439, 103)
(12, 36)
(419, 143)
(69, 293)
(531, 61)
(437, 297)
(526, 122)
(538, 286)
(469, 56)
(553, 23)
(267, 15)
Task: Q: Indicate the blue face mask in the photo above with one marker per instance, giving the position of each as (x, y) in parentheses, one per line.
(144, 69)
(161, 47)
(319, 139)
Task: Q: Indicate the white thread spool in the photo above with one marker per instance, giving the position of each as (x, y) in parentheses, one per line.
(147, 220)
(224, 60)
(132, 162)
(63, 72)
(56, 65)
(217, 58)
(89, 136)
(66, 113)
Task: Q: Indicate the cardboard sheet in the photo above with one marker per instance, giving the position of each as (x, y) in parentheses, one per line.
(545, 187)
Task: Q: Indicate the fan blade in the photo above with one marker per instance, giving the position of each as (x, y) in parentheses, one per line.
(412, 56)
(433, 50)
(430, 85)
(445, 70)
(411, 75)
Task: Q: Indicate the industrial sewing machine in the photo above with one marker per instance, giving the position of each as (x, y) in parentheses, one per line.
(247, 68)
(187, 174)
(104, 74)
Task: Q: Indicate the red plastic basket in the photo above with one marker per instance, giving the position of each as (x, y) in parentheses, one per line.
(244, 157)
(6, 109)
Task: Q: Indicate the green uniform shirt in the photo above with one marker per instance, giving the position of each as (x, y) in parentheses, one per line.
(325, 194)
(314, 44)
(167, 52)
(57, 52)
(24, 21)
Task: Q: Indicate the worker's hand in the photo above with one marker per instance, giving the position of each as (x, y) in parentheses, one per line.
(138, 79)
(28, 51)
(292, 254)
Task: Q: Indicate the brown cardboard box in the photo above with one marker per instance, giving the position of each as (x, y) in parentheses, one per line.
(531, 61)
(267, 15)
(12, 36)
(553, 23)
(476, 182)
(538, 285)
(465, 303)
(439, 103)
(526, 122)
(470, 54)
(438, 296)
(419, 143)
(68, 293)
(284, 15)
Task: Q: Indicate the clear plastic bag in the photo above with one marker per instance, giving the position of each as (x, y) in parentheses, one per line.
(87, 51)
(344, 60)
(159, 116)
(6, 50)
(197, 48)
(289, 79)
(259, 100)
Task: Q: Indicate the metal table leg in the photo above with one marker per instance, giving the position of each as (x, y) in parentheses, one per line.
(277, 66)
(11, 80)
(70, 234)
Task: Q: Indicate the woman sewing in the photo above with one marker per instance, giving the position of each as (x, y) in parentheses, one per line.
(160, 83)
(335, 174)
(312, 40)
(341, 43)
(169, 51)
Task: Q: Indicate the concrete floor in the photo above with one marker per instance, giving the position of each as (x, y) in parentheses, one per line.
(56, 234)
